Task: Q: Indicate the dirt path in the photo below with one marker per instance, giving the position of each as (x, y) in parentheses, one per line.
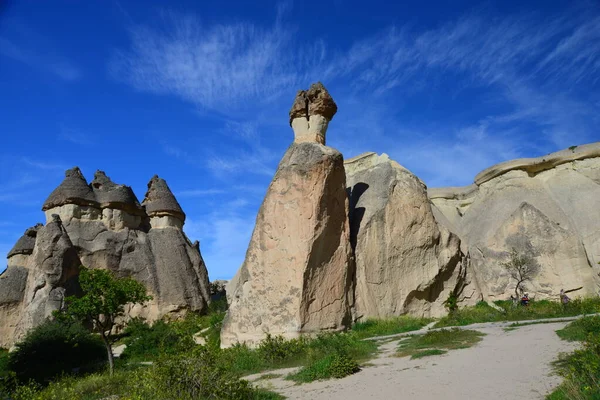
(505, 365)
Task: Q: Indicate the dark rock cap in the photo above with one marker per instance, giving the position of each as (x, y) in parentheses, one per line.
(74, 189)
(26, 243)
(160, 200)
(110, 194)
(314, 101)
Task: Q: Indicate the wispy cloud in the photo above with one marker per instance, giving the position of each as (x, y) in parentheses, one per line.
(200, 192)
(214, 66)
(224, 236)
(75, 136)
(537, 71)
(39, 58)
(48, 166)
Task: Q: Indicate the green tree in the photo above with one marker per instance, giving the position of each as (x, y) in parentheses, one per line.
(522, 267)
(103, 301)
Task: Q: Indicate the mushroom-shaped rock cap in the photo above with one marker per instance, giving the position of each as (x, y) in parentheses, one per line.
(110, 194)
(73, 190)
(160, 200)
(26, 242)
(314, 101)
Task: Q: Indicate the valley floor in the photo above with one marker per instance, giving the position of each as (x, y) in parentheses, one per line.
(511, 364)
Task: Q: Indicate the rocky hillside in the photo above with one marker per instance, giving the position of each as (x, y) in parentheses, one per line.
(547, 206)
(102, 225)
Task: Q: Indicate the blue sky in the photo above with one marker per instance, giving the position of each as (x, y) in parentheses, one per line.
(198, 93)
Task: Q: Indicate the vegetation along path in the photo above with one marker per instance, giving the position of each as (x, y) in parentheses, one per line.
(505, 364)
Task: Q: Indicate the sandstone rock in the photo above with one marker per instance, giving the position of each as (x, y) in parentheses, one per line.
(310, 114)
(551, 203)
(405, 261)
(297, 275)
(26, 243)
(73, 190)
(52, 275)
(160, 201)
(111, 195)
(102, 225)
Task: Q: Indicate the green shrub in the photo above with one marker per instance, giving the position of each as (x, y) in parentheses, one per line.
(275, 349)
(537, 309)
(146, 342)
(331, 366)
(55, 348)
(198, 375)
(580, 329)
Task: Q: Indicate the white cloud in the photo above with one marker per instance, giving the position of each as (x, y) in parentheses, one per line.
(218, 67)
(200, 192)
(224, 236)
(39, 58)
(75, 136)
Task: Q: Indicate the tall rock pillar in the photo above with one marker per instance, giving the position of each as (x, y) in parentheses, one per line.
(296, 277)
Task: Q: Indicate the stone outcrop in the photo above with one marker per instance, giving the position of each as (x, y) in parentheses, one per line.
(297, 275)
(310, 114)
(102, 225)
(548, 206)
(405, 261)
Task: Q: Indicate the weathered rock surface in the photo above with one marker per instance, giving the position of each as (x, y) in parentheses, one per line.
(549, 206)
(297, 275)
(103, 225)
(53, 269)
(405, 261)
(310, 114)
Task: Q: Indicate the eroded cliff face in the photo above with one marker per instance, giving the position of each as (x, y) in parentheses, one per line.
(297, 275)
(548, 206)
(102, 225)
(406, 262)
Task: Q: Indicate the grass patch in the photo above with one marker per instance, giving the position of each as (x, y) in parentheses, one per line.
(537, 309)
(445, 339)
(331, 366)
(427, 353)
(579, 330)
(581, 369)
(382, 327)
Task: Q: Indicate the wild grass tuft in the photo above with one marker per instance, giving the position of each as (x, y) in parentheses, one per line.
(445, 339)
(537, 309)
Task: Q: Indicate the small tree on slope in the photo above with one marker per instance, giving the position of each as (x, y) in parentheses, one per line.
(522, 267)
(104, 300)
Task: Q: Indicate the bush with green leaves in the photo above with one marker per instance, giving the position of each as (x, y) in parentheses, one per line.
(145, 342)
(331, 366)
(55, 348)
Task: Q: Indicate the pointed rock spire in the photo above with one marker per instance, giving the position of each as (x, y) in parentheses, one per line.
(160, 201)
(110, 194)
(74, 189)
(26, 243)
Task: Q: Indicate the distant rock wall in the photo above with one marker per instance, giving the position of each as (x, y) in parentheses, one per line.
(102, 225)
(547, 206)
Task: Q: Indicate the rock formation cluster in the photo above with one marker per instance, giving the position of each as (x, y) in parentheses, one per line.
(410, 248)
(334, 242)
(102, 225)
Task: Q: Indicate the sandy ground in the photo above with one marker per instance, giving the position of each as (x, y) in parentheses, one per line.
(504, 365)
